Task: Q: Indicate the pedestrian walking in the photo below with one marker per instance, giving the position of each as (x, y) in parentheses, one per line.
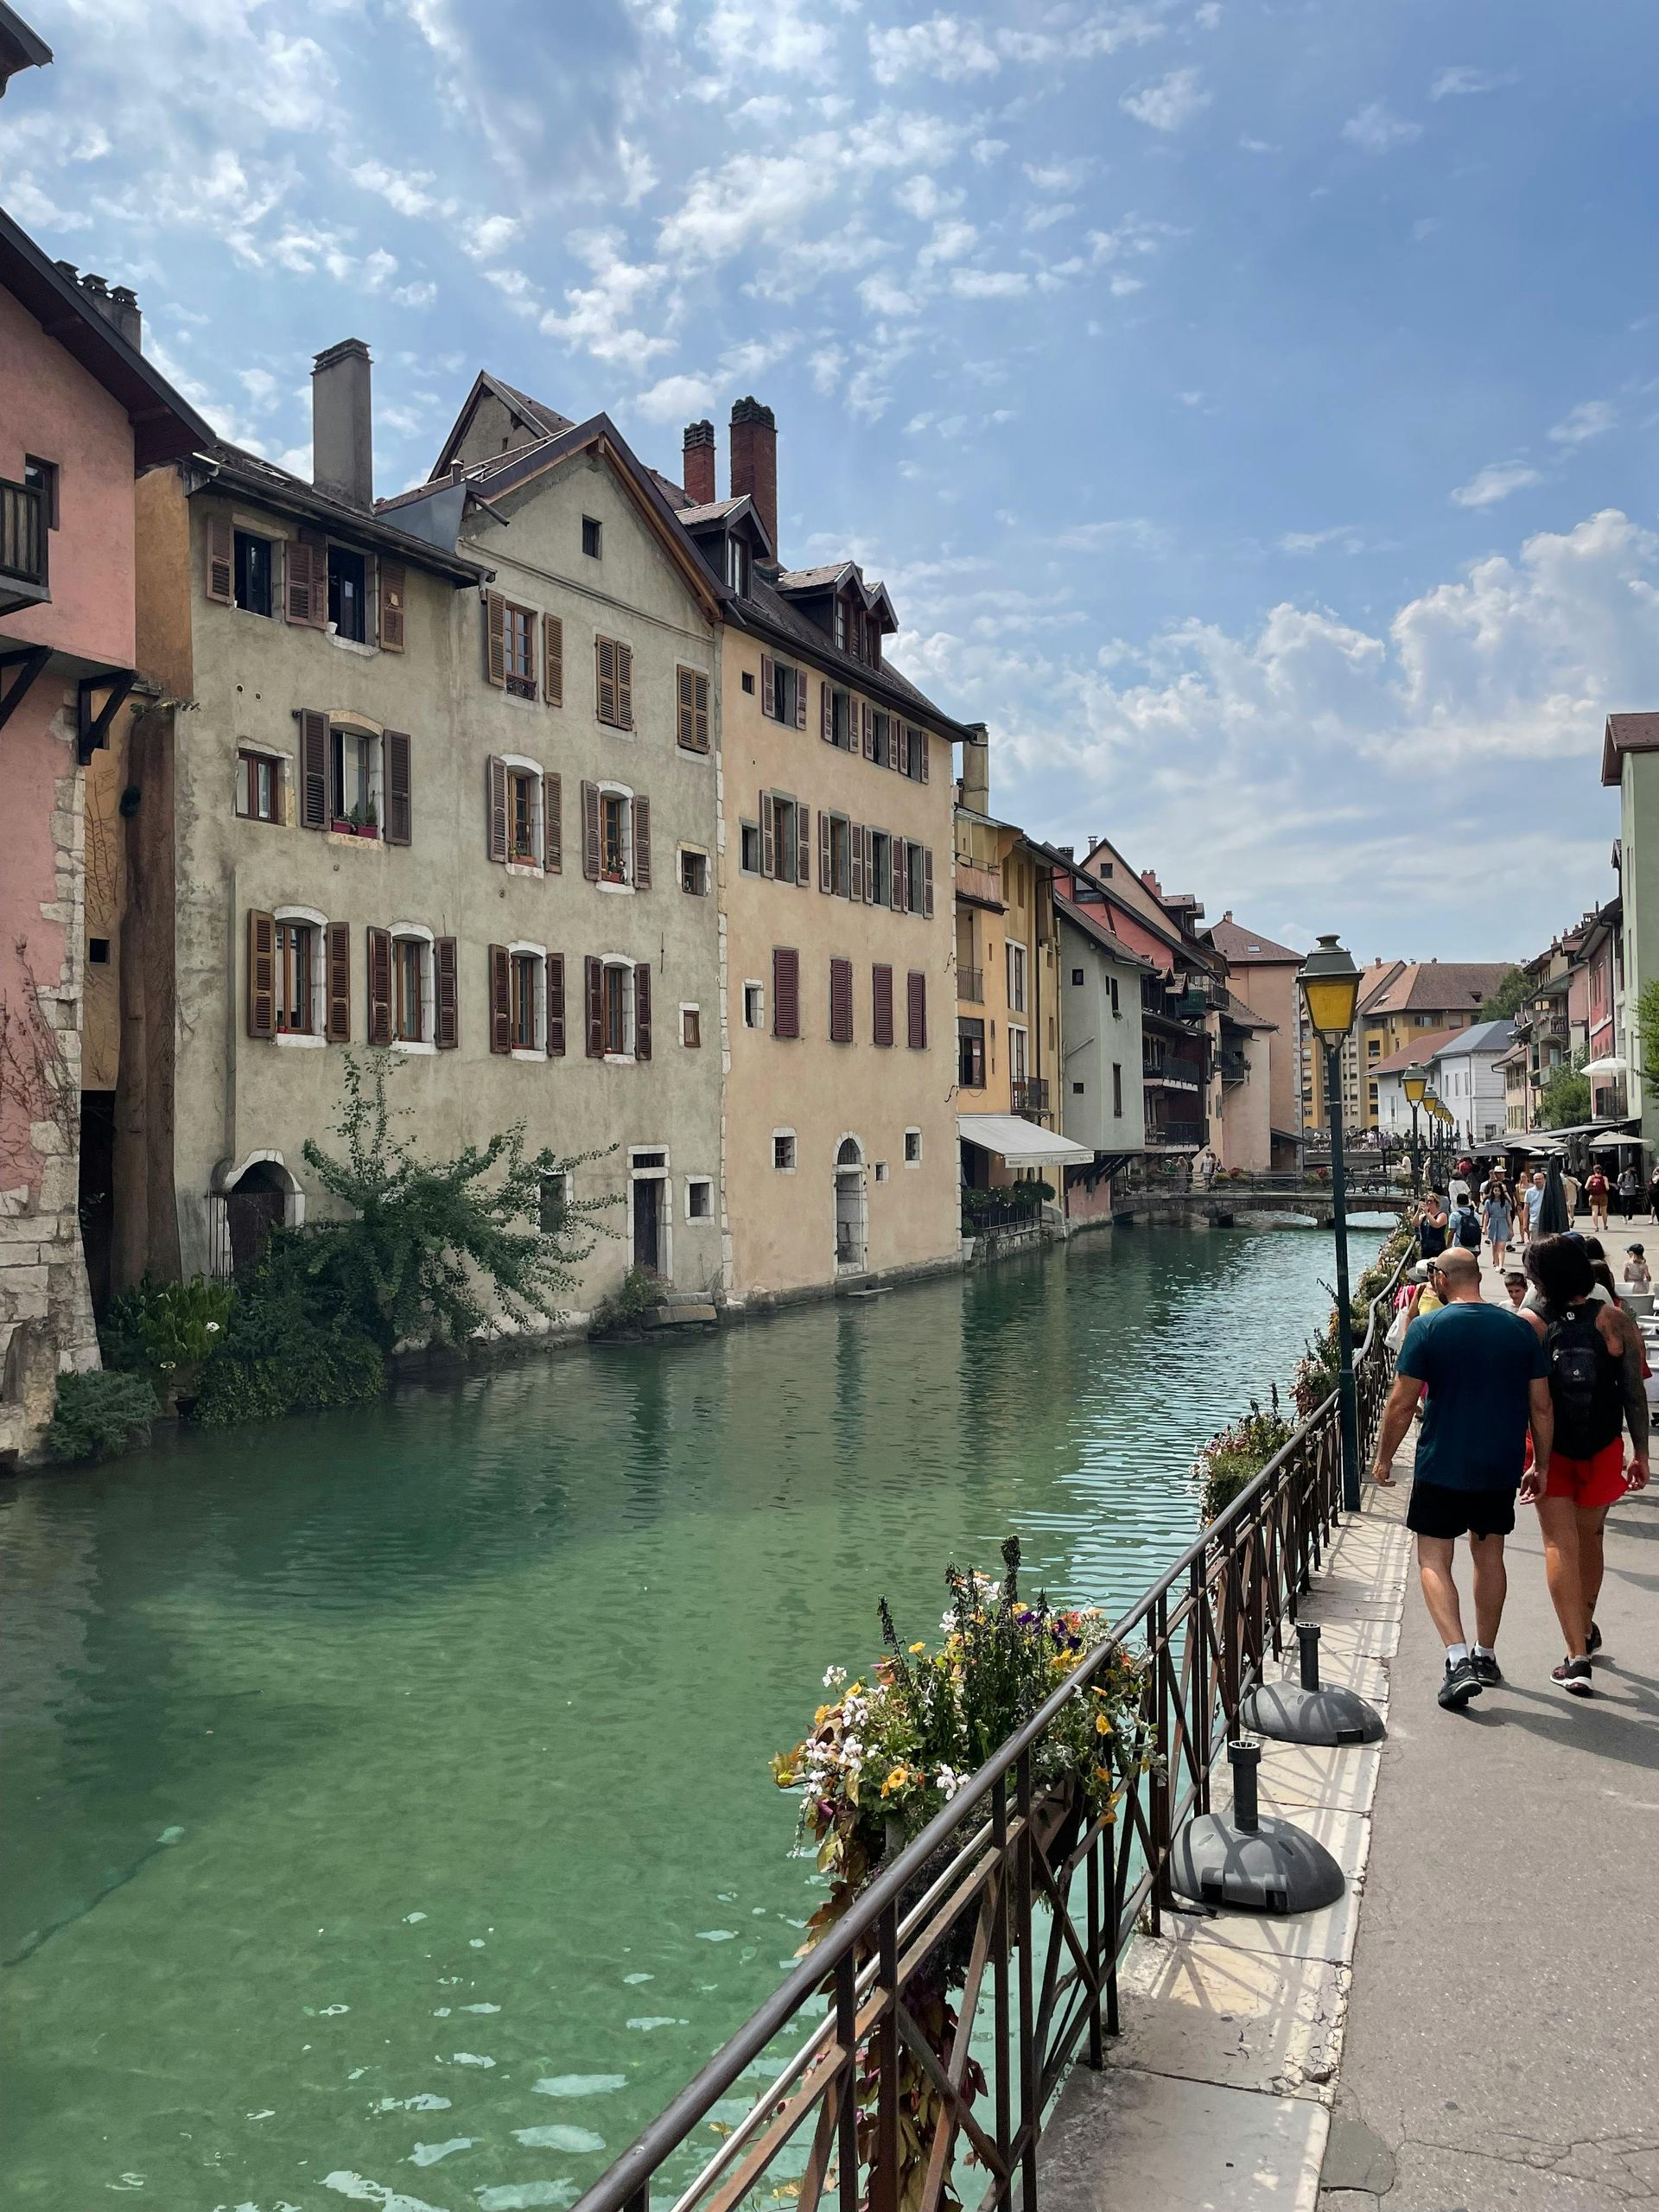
(1486, 1378)
(1653, 1194)
(1495, 1220)
(1570, 1187)
(1592, 1352)
(1595, 1189)
(1464, 1224)
(1532, 1199)
(1432, 1224)
(1630, 1190)
(1208, 1164)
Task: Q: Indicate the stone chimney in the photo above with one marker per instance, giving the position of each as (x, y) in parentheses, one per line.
(754, 460)
(697, 469)
(1149, 877)
(342, 423)
(976, 769)
(117, 304)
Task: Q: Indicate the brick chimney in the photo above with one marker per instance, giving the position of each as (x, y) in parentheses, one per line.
(342, 423)
(1149, 877)
(117, 304)
(754, 460)
(697, 470)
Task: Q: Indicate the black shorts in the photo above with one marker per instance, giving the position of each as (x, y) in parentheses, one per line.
(1437, 1509)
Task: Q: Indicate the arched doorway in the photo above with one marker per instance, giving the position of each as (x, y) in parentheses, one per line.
(849, 1206)
(244, 1205)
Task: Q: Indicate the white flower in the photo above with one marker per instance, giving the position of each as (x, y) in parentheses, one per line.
(834, 1677)
(213, 1328)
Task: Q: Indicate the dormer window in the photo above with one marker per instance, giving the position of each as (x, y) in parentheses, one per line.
(737, 566)
(841, 623)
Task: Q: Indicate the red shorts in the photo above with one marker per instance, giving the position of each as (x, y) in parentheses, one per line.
(1599, 1481)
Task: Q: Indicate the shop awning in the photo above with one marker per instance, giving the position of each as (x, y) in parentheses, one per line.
(1021, 1143)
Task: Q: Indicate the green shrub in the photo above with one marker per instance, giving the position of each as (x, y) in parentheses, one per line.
(286, 1349)
(1232, 1460)
(634, 1297)
(165, 1329)
(96, 1415)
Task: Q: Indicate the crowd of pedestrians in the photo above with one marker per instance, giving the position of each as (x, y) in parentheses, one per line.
(1524, 1401)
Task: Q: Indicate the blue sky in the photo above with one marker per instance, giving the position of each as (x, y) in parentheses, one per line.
(1249, 403)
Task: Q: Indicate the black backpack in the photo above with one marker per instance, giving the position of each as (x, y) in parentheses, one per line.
(1578, 1383)
(1467, 1225)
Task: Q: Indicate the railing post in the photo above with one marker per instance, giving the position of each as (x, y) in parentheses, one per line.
(999, 1960)
(847, 2119)
(883, 2167)
(1161, 1778)
(1201, 1713)
(1030, 2067)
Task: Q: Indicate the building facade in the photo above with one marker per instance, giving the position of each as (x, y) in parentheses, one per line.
(1263, 974)
(1102, 1098)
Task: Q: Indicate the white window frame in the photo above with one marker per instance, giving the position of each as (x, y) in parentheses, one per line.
(521, 763)
(318, 1034)
(538, 1050)
(1019, 1054)
(917, 1161)
(690, 1006)
(696, 1183)
(418, 933)
(1019, 979)
(360, 726)
(608, 790)
(626, 1058)
(794, 1154)
(754, 983)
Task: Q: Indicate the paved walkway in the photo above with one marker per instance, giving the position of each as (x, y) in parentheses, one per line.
(1502, 2040)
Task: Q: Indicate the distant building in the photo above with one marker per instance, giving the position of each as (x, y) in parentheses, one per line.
(1630, 764)
(1263, 974)
(1466, 1074)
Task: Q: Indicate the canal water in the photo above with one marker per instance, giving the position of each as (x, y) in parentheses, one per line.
(385, 1814)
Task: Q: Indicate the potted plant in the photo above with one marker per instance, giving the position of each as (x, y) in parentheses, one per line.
(369, 823)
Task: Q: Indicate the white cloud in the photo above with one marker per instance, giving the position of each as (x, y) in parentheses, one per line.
(1377, 129)
(599, 317)
(420, 294)
(987, 151)
(923, 197)
(1051, 213)
(488, 236)
(1591, 418)
(678, 398)
(946, 47)
(406, 190)
(1169, 104)
(1495, 482)
(1453, 83)
(1060, 176)
(778, 36)
(990, 283)
(949, 242)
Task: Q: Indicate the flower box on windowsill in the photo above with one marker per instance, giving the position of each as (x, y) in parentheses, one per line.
(611, 875)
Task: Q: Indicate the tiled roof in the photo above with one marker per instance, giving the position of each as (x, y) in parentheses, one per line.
(292, 492)
(537, 410)
(1627, 734)
(774, 614)
(1235, 943)
(1090, 928)
(1420, 1048)
(811, 579)
(1438, 986)
(711, 513)
(1242, 1016)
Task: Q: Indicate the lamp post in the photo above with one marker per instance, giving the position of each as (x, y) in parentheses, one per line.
(1330, 987)
(1414, 1084)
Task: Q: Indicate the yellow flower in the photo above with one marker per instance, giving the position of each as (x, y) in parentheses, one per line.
(1102, 1774)
(1103, 1724)
(897, 1780)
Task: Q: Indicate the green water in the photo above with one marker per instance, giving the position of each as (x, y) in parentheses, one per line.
(385, 1815)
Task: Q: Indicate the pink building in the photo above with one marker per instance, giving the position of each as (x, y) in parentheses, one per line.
(80, 415)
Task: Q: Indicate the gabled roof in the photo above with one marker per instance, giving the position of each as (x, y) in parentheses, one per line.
(1421, 1049)
(262, 482)
(1626, 734)
(1248, 947)
(163, 427)
(1242, 1016)
(20, 47)
(1089, 927)
(537, 419)
(1437, 986)
(807, 582)
(767, 613)
(725, 512)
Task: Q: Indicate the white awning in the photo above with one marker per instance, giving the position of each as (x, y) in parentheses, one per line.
(1021, 1143)
(1603, 1071)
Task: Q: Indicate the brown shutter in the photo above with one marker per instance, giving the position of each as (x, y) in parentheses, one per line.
(700, 713)
(552, 824)
(553, 660)
(305, 598)
(642, 845)
(899, 747)
(625, 686)
(855, 840)
(768, 686)
(916, 1010)
(339, 1030)
(379, 987)
(800, 698)
(785, 992)
(590, 832)
(595, 982)
(866, 837)
(882, 1004)
(825, 859)
(314, 769)
(500, 1001)
(685, 708)
(841, 1001)
(921, 747)
(399, 820)
(900, 876)
(495, 806)
(556, 1004)
(605, 678)
(927, 882)
(446, 964)
(868, 714)
(827, 712)
(392, 589)
(495, 639)
(642, 1011)
(222, 559)
(804, 851)
(768, 835)
(262, 974)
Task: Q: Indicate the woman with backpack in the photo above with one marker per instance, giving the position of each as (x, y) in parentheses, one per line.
(1594, 1351)
(1595, 1188)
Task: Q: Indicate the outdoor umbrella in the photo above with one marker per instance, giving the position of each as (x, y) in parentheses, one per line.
(1552, 1213)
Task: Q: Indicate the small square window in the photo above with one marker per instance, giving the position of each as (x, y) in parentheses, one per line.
(691, 1026)
(694, 873)
(1076, 1089)
(783, 1151)
(881, 1171)
(258, 786)
(1077, 975)
(749, 847)
(700, 1198)
(41, 476)
(749, 680)
(755, 1005)
(913, 1147)
(592, 537)
(97, 951)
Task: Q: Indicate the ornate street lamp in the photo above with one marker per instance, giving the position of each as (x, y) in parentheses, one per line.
(1330, 987)
(1414, 1084)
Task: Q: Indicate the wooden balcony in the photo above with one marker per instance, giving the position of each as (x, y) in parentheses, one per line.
(22, 546)
(981, 886)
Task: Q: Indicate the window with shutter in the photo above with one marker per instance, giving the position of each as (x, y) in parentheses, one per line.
(882, 1004)
(841, 1001)
(262, 974)
(768, 835)
(803, 850)
(691, 709)
(339, 983)
(613, 680)
(379, 987)
(220, 558)
(593, 1006)
(555, 1005)
(901, 877)
(921, 753)
(590, 851)
(916, 1008)
(552, 824)
(827, 717)
(400, 818)
(700, 714)
(495, 807)
(642, 1011)
(553, 660)
(927, 882)
(768, 688)
(642, 845)
(826, 857)
(867, 713)
(446, 961)
(625, 685)
(305, 594)
(800, 698)
(392, 595)
(314, 769)
(500, 999)
(495, 639)
(785, 992)
(855, 839)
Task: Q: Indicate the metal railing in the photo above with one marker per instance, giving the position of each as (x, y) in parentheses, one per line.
(1029, 1094)
(1173, 1068)
(1167, 1136)
(1024, 1904)
(970, 985)
(22, 533)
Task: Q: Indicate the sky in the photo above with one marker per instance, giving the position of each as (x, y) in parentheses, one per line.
(1248, 404)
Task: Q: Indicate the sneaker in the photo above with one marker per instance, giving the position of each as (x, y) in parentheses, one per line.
(1592, 1642)
(1487, 1670)
(1462, 1683)
(1574, 1676)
